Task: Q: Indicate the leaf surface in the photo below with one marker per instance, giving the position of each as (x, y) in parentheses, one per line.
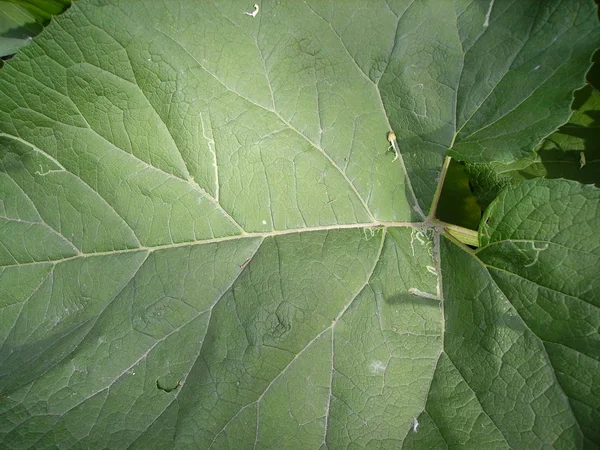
(205, 244)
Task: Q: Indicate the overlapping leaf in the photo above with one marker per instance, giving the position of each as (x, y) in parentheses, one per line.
(21, 20)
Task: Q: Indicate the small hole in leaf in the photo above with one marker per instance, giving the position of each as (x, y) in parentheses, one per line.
(167, 384)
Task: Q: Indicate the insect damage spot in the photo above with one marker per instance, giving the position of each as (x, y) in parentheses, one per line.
(167, 384)
(43, 173)
(488, 14)
(254, 12)
(537, 253)
(415, 425)
(377, 367)
(419, 293)
(424, 238)
(391, 137)
(370, 232)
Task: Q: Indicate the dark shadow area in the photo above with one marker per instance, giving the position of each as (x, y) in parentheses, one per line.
(458, 205)
(572, 153)
(23, 32)
(23, 364)
(15, 156)
(568, 165)
(417, 301)
(22, 19)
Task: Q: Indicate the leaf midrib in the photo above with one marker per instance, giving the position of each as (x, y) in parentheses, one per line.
(365, 226)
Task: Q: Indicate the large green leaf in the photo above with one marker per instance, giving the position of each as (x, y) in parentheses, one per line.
(205, 244)
(572, 152)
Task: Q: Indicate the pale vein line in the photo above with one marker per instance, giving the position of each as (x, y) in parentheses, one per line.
(229, 421)
(580, 353)
(45, 225)
(376, 85)
(331, 328)
(257, 425)
(330, 395)
(102, 199)
(341, 42)
(98, 415)
(437, 259)
(210, 141)
(127, 370)
(141, 357)
(483, 409)
(395, 40)
(182, 381)
(439, 430)
(390, 8)
(33, 147)
(282, 119)
(137, 85)
(462, 71)
(7, 250)
(329, 158)
(545, 353)
(513, 274)
(533, 92)
(416, 206)
(31, 203)
(336, 320)
(131, 154)
(318, 105)
(367, 225)
(158, 341)
(87, 334)
(41, 222)
(268, 185)
(264, 63)
(274, 380)
(284, 370)
(35, 290)
(492, 90)
(191, 183)
(49, 347)
(23, 11)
